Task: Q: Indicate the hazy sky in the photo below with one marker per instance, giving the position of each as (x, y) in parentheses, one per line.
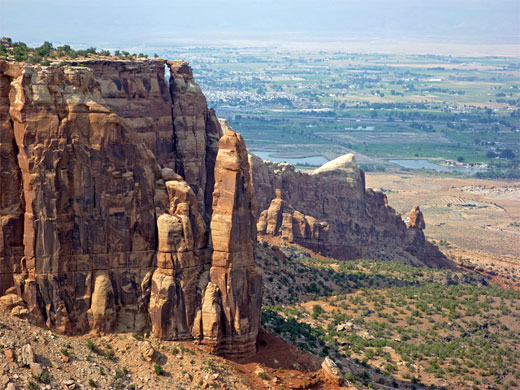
(140, 22)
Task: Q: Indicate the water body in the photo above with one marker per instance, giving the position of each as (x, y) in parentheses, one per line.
(425, 164)
(272, 156)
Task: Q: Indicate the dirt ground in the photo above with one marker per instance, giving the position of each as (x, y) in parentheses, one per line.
(116, 363)
(479, 219)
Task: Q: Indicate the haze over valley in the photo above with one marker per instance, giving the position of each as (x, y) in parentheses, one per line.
(260, 195)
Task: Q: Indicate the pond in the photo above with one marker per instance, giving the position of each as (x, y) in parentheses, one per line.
(425, 164)
(273, 156)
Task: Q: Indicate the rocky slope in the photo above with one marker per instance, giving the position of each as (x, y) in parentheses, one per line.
(35, 358)
(330, 211)
(107, 178)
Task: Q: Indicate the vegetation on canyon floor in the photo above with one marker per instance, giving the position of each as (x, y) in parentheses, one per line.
(397, 322)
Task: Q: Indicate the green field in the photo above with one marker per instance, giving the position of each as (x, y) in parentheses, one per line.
(463, 109)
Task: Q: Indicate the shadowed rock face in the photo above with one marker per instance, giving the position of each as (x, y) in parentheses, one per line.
(196, 133)
(11, 201)
(330, 211)
(107, 184)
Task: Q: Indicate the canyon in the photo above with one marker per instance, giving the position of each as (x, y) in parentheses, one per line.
(126, 205)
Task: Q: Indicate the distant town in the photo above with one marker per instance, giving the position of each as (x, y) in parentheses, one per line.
(459, 115)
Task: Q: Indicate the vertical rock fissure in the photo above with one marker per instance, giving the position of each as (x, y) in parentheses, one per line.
(174, 134)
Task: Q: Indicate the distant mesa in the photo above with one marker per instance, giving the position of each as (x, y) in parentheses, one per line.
(330, 211)
(345, 163)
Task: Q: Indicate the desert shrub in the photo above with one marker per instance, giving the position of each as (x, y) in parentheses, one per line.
(158, 369)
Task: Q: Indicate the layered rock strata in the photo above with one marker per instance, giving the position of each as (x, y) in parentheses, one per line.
(138, 92)
(107, 189)
(233, 270)
(196, 133)
(331, 212)
(183, 261)
(124, 207)
(11, 202)
(87, 194)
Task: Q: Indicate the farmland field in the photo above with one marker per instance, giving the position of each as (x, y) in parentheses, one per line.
(455, 111)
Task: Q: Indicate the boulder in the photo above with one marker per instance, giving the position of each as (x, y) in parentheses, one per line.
(10, 301)
(169, 174)
(10, 386)
(27, 355)
(36, 369)
(20, 312)
(147, 351)
(9, 355)
(332, 372)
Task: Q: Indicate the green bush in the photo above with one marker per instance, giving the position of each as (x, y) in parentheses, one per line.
(44, 50)
(44, 377)
(262, 375)
(90, 345)
(32, 386)
(109, 355)
(158, 369)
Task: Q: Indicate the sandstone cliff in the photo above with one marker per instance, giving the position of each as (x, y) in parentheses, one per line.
(330, 211)
(233, 229)
(107, 189)
(124, 207)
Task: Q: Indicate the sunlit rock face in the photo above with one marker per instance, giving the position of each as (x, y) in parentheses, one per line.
(82, 173)
(233, 231)
(330, 211)
(127, 206)
(106, 204)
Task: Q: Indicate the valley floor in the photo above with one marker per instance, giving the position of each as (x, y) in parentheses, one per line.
(474, 222)
(390, 325)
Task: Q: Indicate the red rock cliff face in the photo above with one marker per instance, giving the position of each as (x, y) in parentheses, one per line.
(107, 184)
(138, 92)
(124, 208)
(11, 200)
(233, 270)
(331, 212)
(87, 193)
(197, 131)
